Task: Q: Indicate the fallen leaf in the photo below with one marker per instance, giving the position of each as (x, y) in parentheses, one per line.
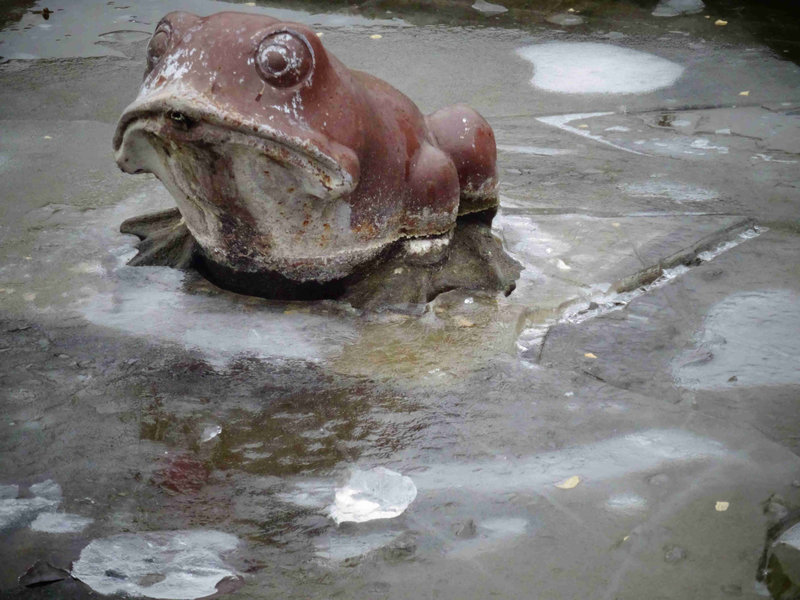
(745, 93)
(583, 126)
(375, 36)
(48, 137)
(570, 10)
(568, 483)
(721, 506)
(590, 355)
(464, 322)
(320, 34)
(720, 23)
(615, 224)
(249, 3)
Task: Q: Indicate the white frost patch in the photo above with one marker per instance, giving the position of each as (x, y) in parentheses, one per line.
(535, 150)
(489, 8)
(376, 494)
(626, 503)
(620, 128)
(419, 246)
(748, 339)
(673, 8)
(679, 192)
(163, 564)
(60, 523)
(592, 68)
(562, 122)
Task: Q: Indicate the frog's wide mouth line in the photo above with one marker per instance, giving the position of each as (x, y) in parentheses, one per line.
(335, 168)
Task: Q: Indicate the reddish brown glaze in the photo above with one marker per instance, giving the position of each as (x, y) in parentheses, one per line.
(282, 159)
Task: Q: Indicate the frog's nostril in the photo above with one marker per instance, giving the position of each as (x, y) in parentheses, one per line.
(180, 119)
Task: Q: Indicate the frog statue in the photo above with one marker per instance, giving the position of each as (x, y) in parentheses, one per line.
(296, 177)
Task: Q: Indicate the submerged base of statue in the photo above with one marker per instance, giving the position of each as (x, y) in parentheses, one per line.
(410, 271)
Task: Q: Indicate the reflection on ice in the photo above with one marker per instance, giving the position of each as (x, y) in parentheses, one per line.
(604, 460)
(592, 68)
(159, 564)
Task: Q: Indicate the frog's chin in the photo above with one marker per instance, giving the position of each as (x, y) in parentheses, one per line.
(255, 201)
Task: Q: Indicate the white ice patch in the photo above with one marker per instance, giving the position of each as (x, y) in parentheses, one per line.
(179, 565)
(705, 144)
(748, 339)
(210, 432)
(592, 68)
(18, 512)
(673, 8)
(489, 8)
(376, 494)
(671, 190)
(60, 523)
(338, 547)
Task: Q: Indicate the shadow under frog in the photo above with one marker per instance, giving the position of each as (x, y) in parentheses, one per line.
(298, 178)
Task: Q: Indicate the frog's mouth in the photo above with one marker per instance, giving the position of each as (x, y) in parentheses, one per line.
(256, 198)
(325, 169)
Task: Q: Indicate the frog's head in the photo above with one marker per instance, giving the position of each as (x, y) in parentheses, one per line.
(256, 131)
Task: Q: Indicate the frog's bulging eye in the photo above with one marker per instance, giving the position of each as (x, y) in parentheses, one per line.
(158, 45)
(284, 59)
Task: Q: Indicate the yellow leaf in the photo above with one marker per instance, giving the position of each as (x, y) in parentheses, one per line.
(320, 34)
(583, 126)
(463, 322)
(590, 355)
(568, 483)
(249, 3)
(615, 224)
(721, 506)
(375, 36)
(745, 93)
(720, 23)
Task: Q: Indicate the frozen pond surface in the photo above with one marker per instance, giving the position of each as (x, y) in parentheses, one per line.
(623, 425)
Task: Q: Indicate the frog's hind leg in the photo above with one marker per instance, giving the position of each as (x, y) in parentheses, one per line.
(468, 139)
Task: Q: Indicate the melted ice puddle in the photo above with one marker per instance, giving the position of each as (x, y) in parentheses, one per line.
(178, 565)
(592, 68)
(749, 339)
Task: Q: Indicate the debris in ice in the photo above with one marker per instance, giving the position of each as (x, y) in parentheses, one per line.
(593, 68)
(375, 494)
(42, 573)
(488, 536)
(161, 564)
(721, 505)
(60, 523)
(489, 8)
(210, 432)
(674, 8)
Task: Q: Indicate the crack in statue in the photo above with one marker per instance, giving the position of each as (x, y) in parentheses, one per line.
(296, 177)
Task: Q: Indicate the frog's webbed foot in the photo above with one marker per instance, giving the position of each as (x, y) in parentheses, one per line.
(165, 240)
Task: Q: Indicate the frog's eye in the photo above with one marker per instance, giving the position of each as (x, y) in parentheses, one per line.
(284, 59)
(158, 45)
